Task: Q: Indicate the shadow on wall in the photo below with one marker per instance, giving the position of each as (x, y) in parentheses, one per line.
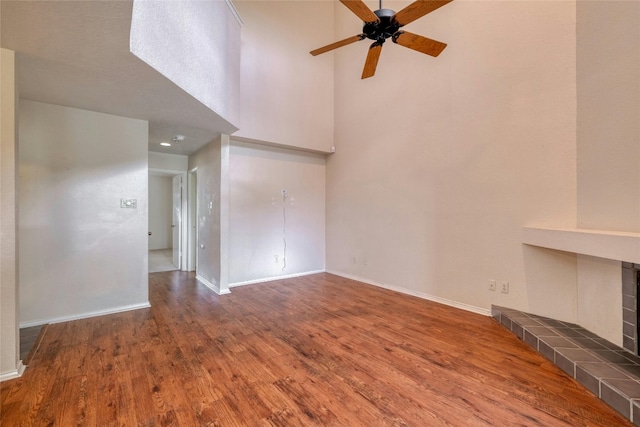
(551, 283)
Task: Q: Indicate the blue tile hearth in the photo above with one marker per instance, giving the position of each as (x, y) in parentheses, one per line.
(610, 372)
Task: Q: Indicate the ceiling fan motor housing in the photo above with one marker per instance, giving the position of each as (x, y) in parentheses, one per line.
(380, 31)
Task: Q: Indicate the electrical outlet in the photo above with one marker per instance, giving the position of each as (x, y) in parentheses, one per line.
(354, 260)
(504, 287)
(275, 259)
(492, 285)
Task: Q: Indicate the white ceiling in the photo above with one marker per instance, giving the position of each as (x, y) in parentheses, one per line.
(76, 53)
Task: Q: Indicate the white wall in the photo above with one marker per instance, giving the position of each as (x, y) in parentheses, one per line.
(441, 161)
(212, 222)
(9, 337)
(261, 220)
(168, 162)
(196, 45)
(609, 115)
(286, 94)
(600, 297)
(81, 253)
(160, 212)
(608, 149)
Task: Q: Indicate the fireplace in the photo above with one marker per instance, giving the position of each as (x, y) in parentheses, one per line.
(609, 371)
(630, 306)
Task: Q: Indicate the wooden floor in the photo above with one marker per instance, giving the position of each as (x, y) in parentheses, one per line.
(316, 350)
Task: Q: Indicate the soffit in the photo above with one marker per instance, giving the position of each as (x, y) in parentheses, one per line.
(76, 53)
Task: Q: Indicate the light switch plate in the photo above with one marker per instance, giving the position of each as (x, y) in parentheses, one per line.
(129, 203)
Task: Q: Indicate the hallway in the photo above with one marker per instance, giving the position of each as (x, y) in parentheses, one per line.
(161, 260)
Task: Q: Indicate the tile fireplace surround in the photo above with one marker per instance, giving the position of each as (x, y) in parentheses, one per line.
(610, 372)
(630, 285)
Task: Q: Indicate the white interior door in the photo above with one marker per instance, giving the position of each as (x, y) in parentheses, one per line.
(176, 224)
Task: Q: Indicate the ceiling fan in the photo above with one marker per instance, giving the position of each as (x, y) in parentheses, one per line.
(385, 23)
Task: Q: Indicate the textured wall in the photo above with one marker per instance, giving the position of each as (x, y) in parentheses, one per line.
(208, 160)
(608, 70)
(440, 161)
(171, 162)
(608, 144)
(196, 45)
(286, 94)
(9, 347)
(261, 221)
(80, 252)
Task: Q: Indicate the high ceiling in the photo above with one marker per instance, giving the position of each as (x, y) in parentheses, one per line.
(76, 53)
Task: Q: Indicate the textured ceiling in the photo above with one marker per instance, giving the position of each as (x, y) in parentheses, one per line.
(76, 53)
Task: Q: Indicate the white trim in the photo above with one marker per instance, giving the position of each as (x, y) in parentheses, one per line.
(211, 286)
(87, 315)
(233, 9)
(451, 303)
(272, 278)
(12, 375)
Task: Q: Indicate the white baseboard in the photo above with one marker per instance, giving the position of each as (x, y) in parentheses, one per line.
(214, 288)
(451, 303)
(12, 375)
(86, 315)
(272, 278)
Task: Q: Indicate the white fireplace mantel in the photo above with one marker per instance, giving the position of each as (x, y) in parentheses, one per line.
(619, 246)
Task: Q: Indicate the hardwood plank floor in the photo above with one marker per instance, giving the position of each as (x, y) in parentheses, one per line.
(315, 350)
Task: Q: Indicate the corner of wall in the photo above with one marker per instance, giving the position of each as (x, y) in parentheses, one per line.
(224, 213)
(9, 334)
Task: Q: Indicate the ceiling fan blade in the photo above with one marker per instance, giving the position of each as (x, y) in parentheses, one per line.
(372, 60)
(418, 9)
(361, 10)
(336, 45)
(419, 43)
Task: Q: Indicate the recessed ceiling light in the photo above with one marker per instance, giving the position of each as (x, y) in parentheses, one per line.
(165, 144)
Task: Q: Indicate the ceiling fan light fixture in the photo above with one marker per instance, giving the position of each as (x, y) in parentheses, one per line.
(178, 138)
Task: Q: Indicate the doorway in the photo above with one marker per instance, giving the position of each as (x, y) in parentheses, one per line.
(167, 202)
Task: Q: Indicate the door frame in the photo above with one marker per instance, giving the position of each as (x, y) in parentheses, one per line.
(184, 219)
(192, 221)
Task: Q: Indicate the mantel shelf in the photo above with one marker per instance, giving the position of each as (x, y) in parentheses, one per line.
(620, 246)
